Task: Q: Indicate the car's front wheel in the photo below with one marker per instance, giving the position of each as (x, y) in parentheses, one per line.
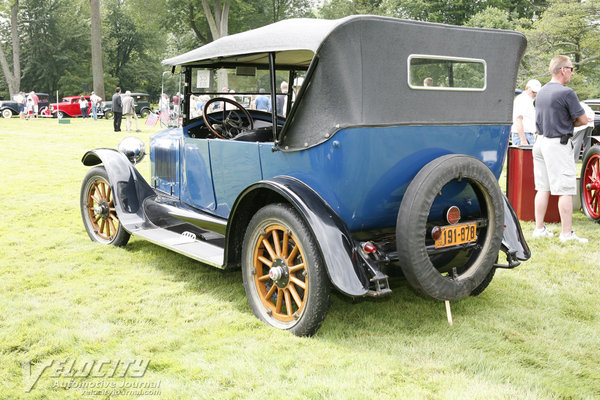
(6, 113)
(144, 113)
(284, 274)
(109, 115)
(98, 211)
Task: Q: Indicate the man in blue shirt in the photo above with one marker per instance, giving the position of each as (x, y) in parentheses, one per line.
(558, 111)
(262, 102)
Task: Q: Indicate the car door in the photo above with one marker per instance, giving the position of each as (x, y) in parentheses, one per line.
(235, 165)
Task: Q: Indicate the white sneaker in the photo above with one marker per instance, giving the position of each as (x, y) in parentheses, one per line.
(572, 236)
(543, 232)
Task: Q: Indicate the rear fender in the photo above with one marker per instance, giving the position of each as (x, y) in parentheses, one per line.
(331, 234)
(127, 184)
(513, 241)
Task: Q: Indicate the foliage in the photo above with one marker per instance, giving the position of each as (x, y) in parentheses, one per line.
(138, 34)
(567, 27)
(533, 334)
(458, 12)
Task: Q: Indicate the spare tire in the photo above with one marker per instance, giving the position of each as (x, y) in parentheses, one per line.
(470, 263)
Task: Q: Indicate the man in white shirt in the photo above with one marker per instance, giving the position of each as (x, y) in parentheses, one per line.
(523, 127)
(95, 100)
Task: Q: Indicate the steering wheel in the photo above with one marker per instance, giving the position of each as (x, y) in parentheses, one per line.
(231, 123)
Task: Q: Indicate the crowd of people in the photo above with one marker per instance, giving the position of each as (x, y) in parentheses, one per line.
(549, 125)
(124, 105)
(28, 104)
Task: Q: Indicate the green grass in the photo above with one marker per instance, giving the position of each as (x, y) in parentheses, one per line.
(533, 334)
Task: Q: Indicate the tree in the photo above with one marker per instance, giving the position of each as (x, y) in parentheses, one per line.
(13, 78)
(572, 28)
(217, 17)
(341, 8)
(96, 34)
(491, 17)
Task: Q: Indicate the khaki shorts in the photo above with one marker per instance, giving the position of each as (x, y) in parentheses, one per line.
(553, 166)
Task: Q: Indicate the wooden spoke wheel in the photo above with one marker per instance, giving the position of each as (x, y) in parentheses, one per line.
(281, 276)
(284, 275)
(590, 184)
(98, 209)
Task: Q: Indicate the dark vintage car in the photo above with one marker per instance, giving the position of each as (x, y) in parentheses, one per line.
(68, 107)
(589, 190)
(595, 105)
(364, 171)
(140, 100)
(8, 108)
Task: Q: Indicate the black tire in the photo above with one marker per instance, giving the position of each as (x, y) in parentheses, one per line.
(486, 282)
(6, 113)
(98, 210)
(589, 185)
(298, 300)
(469, 267)
(145, 112)
(109, 114)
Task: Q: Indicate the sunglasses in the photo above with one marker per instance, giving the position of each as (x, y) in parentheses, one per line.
(571, 68)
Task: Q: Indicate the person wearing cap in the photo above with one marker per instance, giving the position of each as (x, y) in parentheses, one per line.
(558, 112)
(128, 109)
(523, 127)
(95, 100)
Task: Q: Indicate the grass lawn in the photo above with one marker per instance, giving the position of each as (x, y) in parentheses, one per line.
(533, 334)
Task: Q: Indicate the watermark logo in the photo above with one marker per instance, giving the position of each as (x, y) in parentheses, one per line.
(103, 374)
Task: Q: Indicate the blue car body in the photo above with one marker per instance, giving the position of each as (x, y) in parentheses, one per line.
(385, 154)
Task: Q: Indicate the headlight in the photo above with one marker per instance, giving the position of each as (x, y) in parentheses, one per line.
(133, 148)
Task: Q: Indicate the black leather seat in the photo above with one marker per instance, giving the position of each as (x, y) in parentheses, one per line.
(264, 134)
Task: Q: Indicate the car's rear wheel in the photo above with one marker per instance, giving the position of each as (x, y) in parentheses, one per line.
(60, 115)
(284, 274)
(455, 271)
(6, 113)
(98, 209)
(109, 115)
(590, 183)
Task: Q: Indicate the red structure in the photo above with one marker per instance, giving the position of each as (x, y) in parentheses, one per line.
(520, 187)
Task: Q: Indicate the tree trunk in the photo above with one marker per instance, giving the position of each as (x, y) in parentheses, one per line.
(13, 80)
(97, 69)
(218, 18)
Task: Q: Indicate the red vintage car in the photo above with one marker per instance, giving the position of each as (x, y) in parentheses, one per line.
(68, 107)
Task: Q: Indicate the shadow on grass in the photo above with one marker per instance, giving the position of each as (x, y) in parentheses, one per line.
(405, 310)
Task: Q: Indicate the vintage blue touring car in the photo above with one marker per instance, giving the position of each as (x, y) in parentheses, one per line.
(384, 154)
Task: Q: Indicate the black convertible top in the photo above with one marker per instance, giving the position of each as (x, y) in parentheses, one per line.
(359, 68)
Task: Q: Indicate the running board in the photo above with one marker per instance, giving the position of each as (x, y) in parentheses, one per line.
(186, 243)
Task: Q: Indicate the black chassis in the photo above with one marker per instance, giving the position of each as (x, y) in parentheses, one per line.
(161, 219)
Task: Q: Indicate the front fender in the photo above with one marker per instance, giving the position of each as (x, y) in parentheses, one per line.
(127, 184)
(329, 231)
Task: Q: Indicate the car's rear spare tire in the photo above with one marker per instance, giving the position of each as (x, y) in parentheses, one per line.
(450, 272)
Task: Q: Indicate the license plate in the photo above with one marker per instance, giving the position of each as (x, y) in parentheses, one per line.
(452, 235)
